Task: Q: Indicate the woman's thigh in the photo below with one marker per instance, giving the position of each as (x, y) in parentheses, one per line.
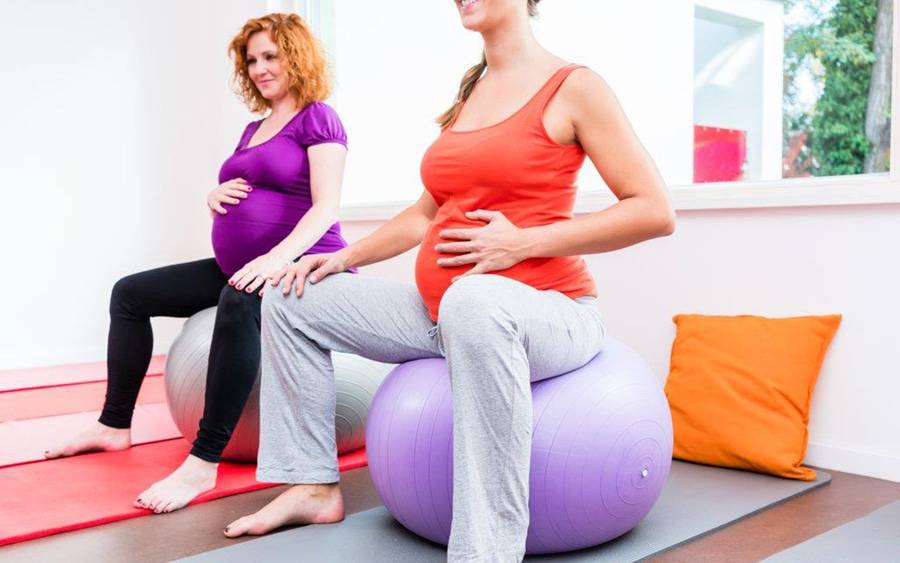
(178, 290)
(558, 333)
(380, 319)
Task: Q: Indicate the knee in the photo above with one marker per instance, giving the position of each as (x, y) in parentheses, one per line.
(472, 305)
(236, 305)
(125, 294)
(278, 307)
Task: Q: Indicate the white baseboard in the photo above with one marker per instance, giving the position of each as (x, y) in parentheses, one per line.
(853, 461)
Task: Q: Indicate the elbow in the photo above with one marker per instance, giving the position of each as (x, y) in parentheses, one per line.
(665, 224)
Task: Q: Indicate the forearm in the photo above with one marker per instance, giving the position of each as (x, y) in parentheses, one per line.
(624, 224)
(307, 232)
(403, 232)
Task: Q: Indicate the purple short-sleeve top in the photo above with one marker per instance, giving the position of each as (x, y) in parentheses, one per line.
(278, 172)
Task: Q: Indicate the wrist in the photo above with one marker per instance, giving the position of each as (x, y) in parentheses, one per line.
(281, 256)
(529, 246)
(347, 256)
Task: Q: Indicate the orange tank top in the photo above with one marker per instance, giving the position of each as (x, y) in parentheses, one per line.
(513, 167)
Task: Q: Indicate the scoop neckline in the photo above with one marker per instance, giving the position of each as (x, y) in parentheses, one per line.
(517, 112)
(276, 135)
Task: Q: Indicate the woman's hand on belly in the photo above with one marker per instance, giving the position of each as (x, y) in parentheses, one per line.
(230, 193)
(255, 273)
(496, 246)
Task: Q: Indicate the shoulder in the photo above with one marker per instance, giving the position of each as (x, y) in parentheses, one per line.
(319, 110)
(588, 95)
(585, 85)
(319, 123)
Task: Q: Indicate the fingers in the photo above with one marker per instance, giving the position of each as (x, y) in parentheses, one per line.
(244, 276)
(233, 280)
(216, 206)
(235, 193)
(483, 215)
(222, 198)
(455, 247)
(326, 268)
(258, 280)
(460, 234)
(288, 281)
(479, 268)
(276, 278)
(471, 258)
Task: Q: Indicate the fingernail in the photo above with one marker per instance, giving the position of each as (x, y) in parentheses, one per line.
(313, 279)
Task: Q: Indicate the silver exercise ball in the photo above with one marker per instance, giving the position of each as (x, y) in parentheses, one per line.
(356, 380)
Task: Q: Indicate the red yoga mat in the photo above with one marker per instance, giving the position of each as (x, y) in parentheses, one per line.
(23, 404)
(32, 378)
(24, 441)
(41, 499)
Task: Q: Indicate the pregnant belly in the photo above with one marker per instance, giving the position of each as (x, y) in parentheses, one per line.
(254, 226)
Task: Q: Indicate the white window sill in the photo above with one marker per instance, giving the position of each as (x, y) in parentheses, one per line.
(812, 192)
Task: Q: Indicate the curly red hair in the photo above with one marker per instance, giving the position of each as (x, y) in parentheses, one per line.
(307, 67)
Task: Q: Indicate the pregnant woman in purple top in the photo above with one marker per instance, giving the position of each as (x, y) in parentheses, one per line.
(278, 199)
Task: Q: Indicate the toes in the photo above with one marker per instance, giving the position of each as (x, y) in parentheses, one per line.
(153, 499)
(239, 527)
(168, 506)
(141, 500)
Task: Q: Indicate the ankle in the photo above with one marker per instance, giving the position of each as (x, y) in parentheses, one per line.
(112, 430)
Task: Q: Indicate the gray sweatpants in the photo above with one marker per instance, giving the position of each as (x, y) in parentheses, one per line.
(496, 333)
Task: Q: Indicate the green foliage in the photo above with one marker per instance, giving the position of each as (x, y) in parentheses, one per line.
(838, 48)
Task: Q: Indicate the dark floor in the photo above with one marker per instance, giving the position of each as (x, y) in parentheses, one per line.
(199, 528)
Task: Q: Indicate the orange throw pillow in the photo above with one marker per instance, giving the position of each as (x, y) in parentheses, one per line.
(739, 389)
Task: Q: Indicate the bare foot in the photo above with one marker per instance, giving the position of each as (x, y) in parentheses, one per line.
(193, 477)
(97, 437)
(301, 504)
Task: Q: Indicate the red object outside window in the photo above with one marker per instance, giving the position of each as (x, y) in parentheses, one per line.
(719, 154)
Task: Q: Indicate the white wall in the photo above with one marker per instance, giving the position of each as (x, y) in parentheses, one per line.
(394, 79)
(116, 117)
(773, 262)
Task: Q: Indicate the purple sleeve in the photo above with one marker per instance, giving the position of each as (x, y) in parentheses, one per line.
(320, 124)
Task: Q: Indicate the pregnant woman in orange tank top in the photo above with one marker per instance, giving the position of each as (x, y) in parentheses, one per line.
(501, 290)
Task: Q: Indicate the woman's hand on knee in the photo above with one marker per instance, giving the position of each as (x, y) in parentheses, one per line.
(255, 273)
(313, 266)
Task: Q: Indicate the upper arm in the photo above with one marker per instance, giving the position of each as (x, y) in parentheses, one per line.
(326, 173)
(608, 139)
(427, 206)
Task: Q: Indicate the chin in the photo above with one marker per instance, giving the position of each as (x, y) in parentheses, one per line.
(473, 21)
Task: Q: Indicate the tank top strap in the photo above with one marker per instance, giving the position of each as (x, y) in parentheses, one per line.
(546, 93)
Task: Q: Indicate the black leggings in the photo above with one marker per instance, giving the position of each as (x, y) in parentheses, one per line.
(181, 290)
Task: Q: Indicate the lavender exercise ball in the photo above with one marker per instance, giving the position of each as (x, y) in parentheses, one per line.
(601, 450)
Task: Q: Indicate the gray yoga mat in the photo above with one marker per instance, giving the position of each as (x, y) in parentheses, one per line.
(696, 500)
(874, 538)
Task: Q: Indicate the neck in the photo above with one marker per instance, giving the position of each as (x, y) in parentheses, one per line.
(283, 106)
(511, 46)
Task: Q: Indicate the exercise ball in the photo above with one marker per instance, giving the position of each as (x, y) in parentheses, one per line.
(601, 450)
(356, 380)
